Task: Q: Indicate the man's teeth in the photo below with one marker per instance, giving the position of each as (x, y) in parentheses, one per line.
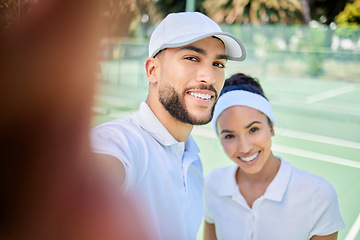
(248, 159)
(202, 96)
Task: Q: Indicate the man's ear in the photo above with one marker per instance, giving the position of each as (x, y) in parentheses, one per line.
(152, 69)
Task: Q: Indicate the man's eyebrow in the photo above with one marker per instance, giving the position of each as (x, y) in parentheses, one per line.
(222, 57)
(202, 51)
(193, 48)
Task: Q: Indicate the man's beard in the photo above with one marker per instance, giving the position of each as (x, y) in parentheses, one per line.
(175, 105)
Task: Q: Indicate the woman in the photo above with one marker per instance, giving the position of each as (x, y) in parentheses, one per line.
(261, 196)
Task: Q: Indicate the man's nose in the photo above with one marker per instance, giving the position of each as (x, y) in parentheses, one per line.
(206, 74)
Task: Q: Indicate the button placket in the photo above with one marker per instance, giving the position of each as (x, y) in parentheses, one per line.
(252, 225)
(178, 150)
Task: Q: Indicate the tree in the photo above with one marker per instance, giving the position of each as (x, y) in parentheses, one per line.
(7, 13)
(350, 16)
(11, 11)
(256, 11)
(164, 7)
(348, 21)
(117, 16)
(325, 11)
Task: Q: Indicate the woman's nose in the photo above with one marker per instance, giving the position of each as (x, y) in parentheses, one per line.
(244, 145)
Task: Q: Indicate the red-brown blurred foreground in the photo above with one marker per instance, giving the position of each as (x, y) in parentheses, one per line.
(50, 186)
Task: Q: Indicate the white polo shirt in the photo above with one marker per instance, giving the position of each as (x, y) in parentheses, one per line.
(164, 175)
(296, 206)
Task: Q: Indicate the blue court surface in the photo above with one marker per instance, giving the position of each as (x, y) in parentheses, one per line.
(317, 129)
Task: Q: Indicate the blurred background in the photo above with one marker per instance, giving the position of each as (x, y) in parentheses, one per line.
(319, 37)
(305, 53)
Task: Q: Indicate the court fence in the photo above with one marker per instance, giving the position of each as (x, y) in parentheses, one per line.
(314, 51)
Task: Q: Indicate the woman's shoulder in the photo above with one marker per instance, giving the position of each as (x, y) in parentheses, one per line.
(220, 182)
(302, 179)
(316, 198)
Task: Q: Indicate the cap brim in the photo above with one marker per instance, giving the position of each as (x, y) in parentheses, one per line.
(235, 50)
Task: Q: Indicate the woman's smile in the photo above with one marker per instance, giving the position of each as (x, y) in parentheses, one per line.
(251, 158)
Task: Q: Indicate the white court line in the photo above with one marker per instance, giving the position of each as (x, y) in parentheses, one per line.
(291, 150)
(354, 230)
(316, 156)
(316, 138)
(329, 94)
(339, 109)
(293, 134)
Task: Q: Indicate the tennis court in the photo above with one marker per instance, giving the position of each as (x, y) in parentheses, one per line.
(317, 128)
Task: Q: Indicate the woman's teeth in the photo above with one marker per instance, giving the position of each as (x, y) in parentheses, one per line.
(248, 159)
(202, 96)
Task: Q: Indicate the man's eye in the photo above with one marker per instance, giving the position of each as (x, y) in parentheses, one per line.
(220, 65)
(191, 58)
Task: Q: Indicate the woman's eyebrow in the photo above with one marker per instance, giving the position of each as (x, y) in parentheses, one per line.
(252, 124)
(226, 131)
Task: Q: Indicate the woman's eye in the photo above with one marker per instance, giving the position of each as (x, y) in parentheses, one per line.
(254, 129)
(229, 136)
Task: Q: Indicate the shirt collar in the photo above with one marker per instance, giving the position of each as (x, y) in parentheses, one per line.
(277, 187)
(275, 190)
(228, 186)
(191, 146)
(154, 127)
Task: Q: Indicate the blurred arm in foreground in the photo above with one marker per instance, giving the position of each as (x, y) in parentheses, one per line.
(50, 186)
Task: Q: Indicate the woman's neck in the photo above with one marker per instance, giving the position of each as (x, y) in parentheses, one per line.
(253, 186)
(266, 174)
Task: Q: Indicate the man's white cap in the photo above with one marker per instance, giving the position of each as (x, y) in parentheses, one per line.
(180, 29)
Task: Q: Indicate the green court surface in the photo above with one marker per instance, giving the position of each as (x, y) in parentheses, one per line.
(317, 129)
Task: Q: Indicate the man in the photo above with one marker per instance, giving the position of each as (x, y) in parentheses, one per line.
(150, 153)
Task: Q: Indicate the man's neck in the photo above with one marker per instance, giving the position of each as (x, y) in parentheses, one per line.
(179, 130)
